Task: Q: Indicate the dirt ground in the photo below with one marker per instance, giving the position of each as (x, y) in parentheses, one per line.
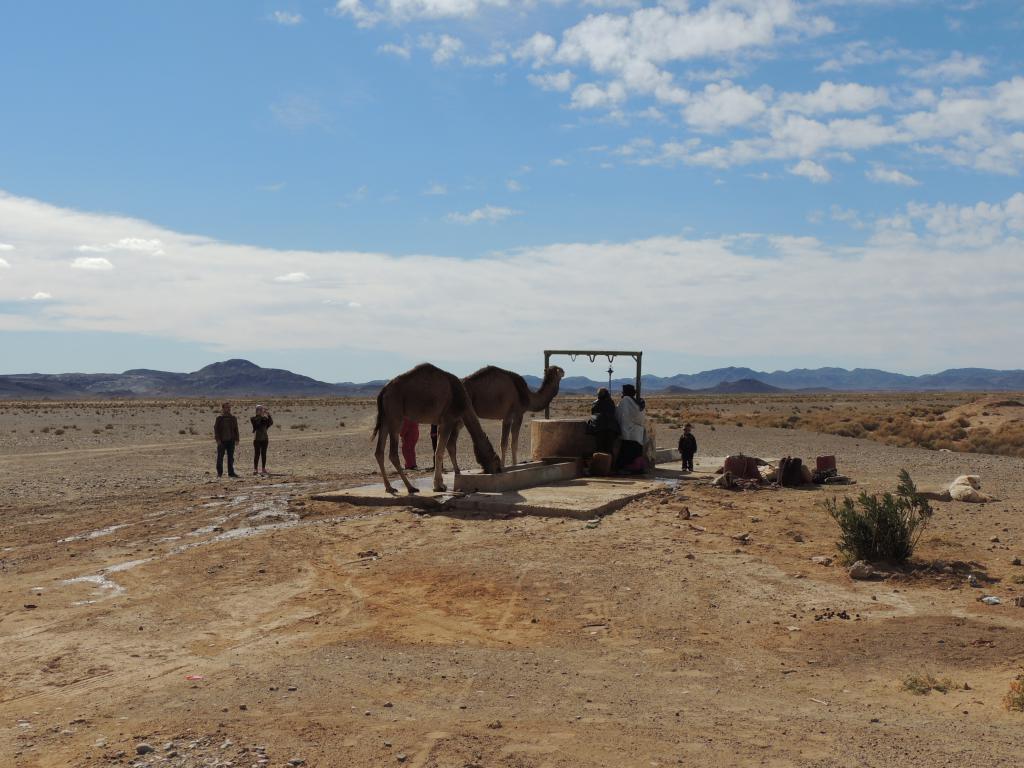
(146, 604)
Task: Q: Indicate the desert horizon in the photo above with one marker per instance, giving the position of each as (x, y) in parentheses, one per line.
(493, 384)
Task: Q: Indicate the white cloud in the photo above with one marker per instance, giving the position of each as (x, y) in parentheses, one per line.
(489, 213)
(394, 49)
(857, 294)
(558, 81)
(292, 277)
(559, 162)
(862, 53)
(513, 186)
(724, 105)
(955, 68)
(286, 19)
(436, 190)
(835, 97)
(6, 247)
(884, 175)
(368, 13)
(41, 296)
(134, 244)
(537, 49)
(591, 96)
(811, 170)
(4, 264)
(92, 263)
(443, 48)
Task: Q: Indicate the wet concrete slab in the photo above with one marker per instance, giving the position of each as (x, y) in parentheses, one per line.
(582, 497)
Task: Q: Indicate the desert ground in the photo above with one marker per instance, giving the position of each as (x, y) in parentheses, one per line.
(152, 614)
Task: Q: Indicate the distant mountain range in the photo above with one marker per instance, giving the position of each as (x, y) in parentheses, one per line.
(237, 378)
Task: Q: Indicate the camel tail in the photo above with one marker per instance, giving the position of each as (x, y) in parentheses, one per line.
(380, 415)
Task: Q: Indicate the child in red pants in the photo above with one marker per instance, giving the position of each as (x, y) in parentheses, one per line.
(410, 433)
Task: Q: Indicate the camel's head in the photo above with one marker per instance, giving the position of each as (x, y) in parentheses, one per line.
(554, 373)
(488, 460)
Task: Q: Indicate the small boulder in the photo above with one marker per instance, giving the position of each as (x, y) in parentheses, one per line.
(861, 570)
(822, 560)
(143, 749)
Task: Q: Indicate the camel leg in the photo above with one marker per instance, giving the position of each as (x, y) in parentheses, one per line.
(453, 448)
(517, 423)
(393, 455)
(382, 436)
(506, 426)
(445, 432)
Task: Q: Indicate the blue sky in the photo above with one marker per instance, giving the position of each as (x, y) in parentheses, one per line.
(347, 188)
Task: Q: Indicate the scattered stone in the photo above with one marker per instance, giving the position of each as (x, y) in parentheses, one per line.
(1015, 561)
(292, 688)
(401, 757)
(861, 570)
(143, 749)
(100, 742)
(1019, 602)
(798, 538)
(243, 707)
(994, 539)
(368, 553)
(296, 761)
(495, 725)
(743, 538)
(973, 580)
(822, 560)
(388, 704)
(991, 600)
(227, 743)
(684, 513)
(30, 606)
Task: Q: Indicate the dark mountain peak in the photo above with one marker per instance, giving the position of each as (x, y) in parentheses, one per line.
(236, 365)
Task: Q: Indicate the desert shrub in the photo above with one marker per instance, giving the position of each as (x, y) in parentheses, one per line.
(182, 432)
(109, 426)
(963, 422)
(1014, 699)
(58, 431)
(97, 431)
(881, 528)
(924, 684)
(45, 430)
(341, 423)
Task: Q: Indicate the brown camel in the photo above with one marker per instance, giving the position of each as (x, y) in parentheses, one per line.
(504, 396)
(428, 395)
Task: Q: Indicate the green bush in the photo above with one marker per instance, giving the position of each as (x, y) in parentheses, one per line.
(885, 528)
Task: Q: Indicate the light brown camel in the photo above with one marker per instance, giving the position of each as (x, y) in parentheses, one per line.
(428, 395)
(505, 396)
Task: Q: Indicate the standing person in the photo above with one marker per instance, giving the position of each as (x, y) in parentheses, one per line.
(261, 422)
(225, 432)
(603, 425)
(631, 426)
(410, 434)
(687, 447)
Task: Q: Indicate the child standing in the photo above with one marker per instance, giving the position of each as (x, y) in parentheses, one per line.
(687, 447)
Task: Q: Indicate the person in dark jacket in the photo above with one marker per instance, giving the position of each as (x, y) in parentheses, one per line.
(687, 447)
(225, 432)
(261, 423)
(603, 425)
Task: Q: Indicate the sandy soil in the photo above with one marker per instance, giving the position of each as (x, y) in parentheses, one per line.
(144, 601)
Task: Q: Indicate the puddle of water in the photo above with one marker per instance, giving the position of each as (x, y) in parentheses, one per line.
(94, 534)
(104, 585)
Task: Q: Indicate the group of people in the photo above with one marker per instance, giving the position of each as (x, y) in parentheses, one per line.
(225, 432)
(619, 431)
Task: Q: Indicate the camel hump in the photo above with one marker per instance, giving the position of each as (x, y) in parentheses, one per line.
(492, 373)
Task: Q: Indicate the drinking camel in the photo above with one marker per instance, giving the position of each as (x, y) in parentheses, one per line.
(505, 396)
(428, 395)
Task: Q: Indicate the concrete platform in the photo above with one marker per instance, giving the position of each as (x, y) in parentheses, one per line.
(520, 476)
(583, 497)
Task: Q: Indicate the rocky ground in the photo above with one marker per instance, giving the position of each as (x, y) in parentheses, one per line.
(153, 615)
